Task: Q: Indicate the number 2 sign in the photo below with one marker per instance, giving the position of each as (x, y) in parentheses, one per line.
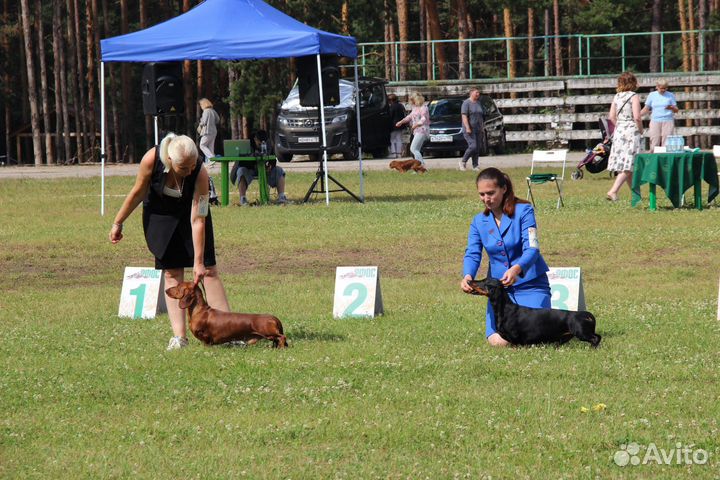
(142, 294)
(357, 292)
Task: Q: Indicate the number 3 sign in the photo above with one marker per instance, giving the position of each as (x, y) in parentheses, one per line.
(357, 292)
(566, 288)
(142, 294)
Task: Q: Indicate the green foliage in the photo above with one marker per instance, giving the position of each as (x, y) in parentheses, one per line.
(415, 393)
(259, 87)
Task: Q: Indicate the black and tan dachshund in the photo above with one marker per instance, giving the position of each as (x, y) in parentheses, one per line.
(527, 326)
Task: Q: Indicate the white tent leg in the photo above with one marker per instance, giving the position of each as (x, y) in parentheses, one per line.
(157, 136)
(359, 133)
(322, 129)
(102, 138)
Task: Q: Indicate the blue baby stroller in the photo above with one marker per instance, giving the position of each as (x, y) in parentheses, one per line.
(596, 159)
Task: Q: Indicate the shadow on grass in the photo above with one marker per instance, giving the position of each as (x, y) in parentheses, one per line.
(315, 336)
(339, 197)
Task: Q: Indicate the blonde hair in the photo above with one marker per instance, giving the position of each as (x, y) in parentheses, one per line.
(627, 82)
(178, 147)
(205, 103)
(661, 82)
(418, 99)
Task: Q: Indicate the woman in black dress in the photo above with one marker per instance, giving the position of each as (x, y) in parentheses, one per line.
(173, 186)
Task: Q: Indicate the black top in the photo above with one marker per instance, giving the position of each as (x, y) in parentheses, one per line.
(397, 113)
(166, 221)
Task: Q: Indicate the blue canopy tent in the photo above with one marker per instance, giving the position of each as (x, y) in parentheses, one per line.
(228, 30)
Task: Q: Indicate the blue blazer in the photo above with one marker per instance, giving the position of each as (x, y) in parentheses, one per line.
(513, 243)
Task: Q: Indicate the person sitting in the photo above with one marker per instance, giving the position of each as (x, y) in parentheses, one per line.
(243, 174)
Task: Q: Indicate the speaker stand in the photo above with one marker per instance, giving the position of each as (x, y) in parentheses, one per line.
(320, 177)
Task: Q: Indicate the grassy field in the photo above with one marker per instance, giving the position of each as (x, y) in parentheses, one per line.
(415, 393)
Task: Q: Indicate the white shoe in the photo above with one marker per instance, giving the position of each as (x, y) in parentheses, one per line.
(476, 168)
(243, 201)
(282, 199)
(462, 166)
(176, 343)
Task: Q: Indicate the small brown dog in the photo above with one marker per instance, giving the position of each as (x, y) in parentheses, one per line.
(403, 166)
(214, 327)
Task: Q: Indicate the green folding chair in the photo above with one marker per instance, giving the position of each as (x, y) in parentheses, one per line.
(539, 158)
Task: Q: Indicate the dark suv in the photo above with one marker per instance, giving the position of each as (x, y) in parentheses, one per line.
(446, 130)
(298, 130)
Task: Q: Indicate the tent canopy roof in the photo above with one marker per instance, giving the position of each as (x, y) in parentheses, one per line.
(226, 30)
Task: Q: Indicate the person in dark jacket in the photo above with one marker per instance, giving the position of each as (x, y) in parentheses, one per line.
(172, 183)
(397, 113)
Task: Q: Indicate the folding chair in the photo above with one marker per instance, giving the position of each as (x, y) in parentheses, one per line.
(546, 157)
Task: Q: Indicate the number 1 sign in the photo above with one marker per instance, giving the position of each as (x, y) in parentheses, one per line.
(142, 294)
(357, 292)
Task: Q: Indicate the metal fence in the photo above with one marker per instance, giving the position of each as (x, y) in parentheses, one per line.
(581, 54)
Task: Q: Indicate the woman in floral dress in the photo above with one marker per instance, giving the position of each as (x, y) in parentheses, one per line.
(625, 114)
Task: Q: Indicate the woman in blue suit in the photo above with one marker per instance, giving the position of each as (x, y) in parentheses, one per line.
(508, 233)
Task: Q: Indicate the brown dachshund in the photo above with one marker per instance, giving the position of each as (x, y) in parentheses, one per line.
(214, 327)
(403, 166)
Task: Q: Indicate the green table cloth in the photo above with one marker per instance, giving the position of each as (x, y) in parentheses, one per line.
(259, 161)
(675, 173)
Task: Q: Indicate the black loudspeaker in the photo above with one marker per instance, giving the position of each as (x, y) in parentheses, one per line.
(308, 84)
(162, 89)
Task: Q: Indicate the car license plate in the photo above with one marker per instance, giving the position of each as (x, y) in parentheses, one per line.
(441, 138)
(308, 139)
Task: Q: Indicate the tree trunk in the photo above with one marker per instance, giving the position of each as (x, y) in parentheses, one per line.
(424, 48)
(436, 34)
(548, 45)
(685, 41)
(114, 152)
(507, 22)
(531, 42)
(692, 36)
(232, 75)
(190, 107)
(558, 45)
(61, 149)
(200, 84)
(47, 125)
(126, 99)
(403, 22)
(81, 108)
(655, 27)
(391, 65)
(712, 43)
(5, 87)
(91, 19)
(32, 88)
(73, 81)
(462, 35)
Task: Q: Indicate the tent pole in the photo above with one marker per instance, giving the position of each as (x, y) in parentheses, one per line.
(322, 129)
(102, 139)
(157, 142)
(359, 132)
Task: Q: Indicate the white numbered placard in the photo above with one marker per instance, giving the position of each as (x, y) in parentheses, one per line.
(566, 288)
(357, 292)
(142, 294)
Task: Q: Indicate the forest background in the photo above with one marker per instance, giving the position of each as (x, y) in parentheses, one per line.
(49, 60)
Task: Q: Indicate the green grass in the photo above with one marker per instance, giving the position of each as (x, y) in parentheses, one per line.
(414, 394)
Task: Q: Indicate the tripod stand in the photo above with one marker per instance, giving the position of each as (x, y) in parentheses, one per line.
(320, 177)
